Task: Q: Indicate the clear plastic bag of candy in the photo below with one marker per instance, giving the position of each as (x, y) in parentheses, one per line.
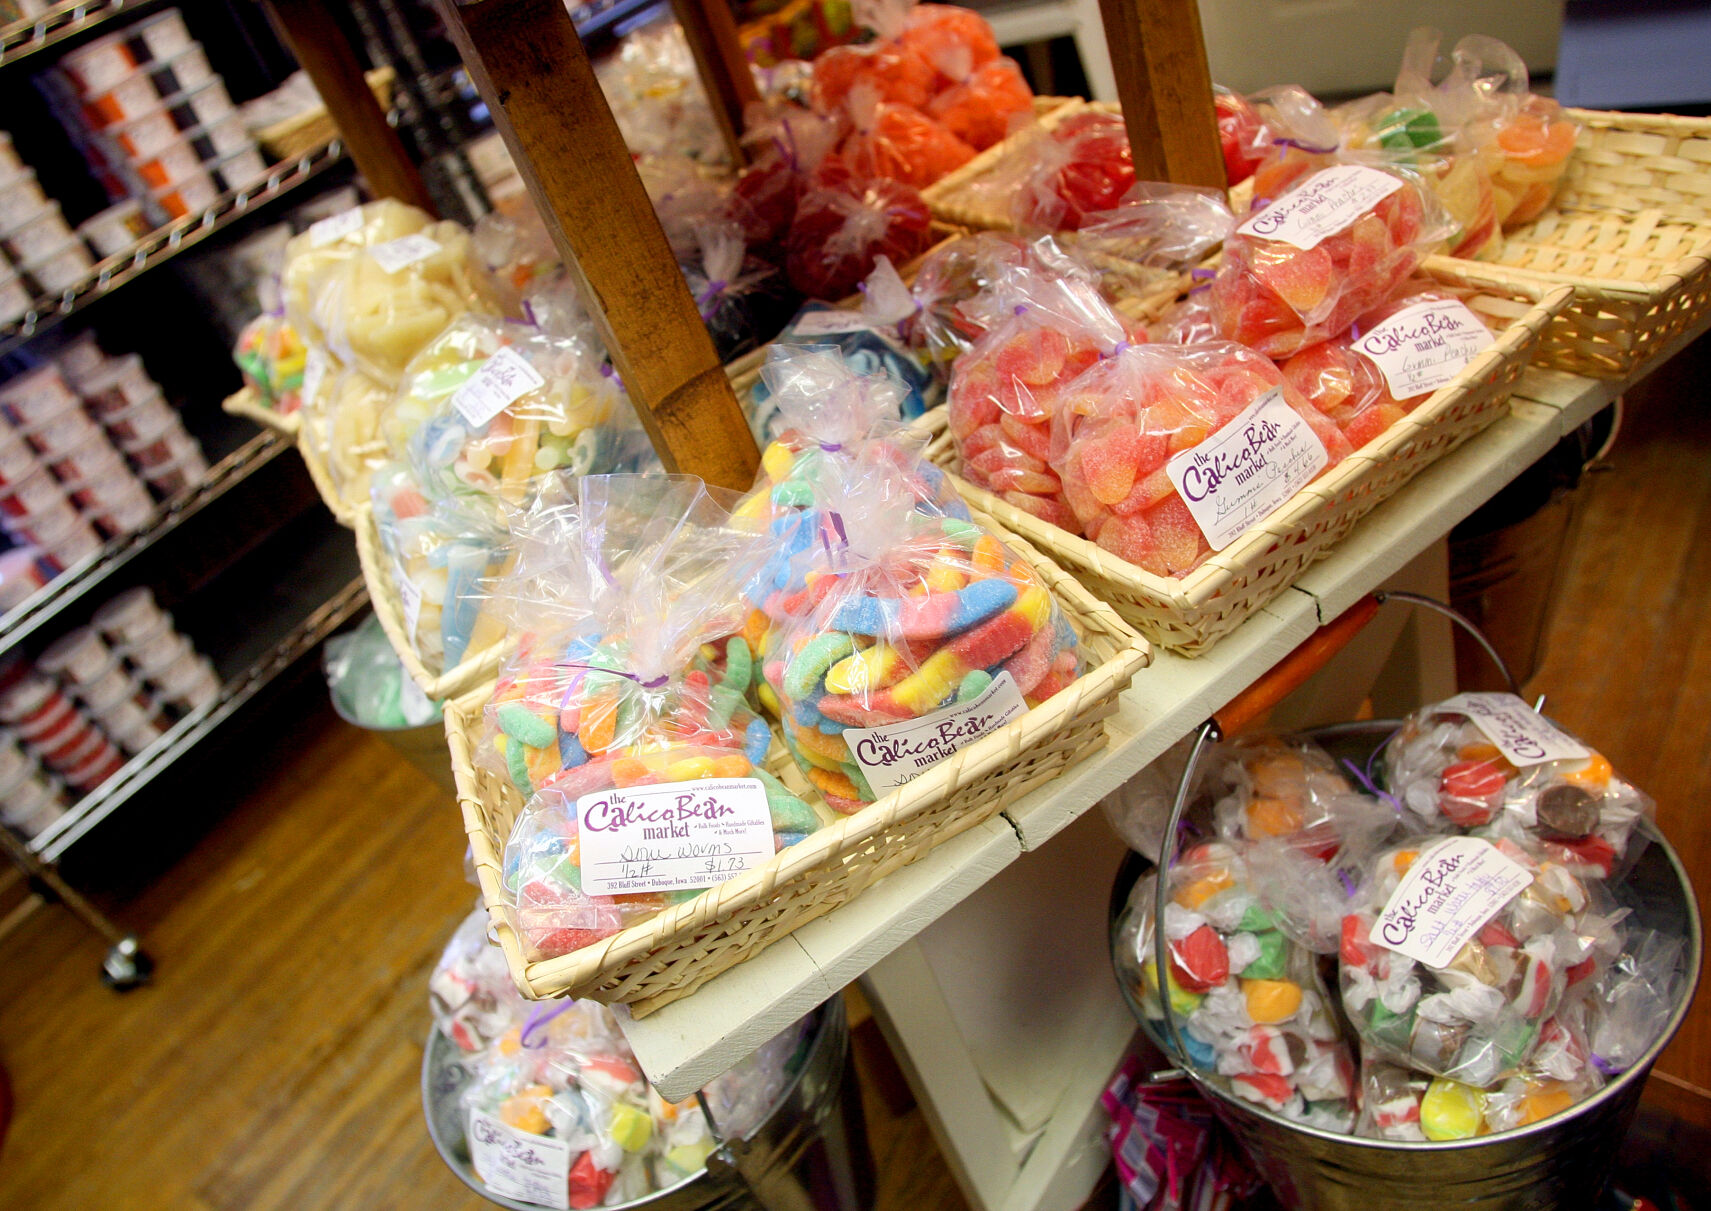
(1161, 226)
(898, 142)
(842, 226)
(742, 299)
(489, 406)
(1122, 436)
(470, 993)
(1041, 331)
(1631, 1001)
(341, 419)
(1459, 949)
(1139, 810)
(1241, 134)
(986, 105)
(1303, 137)
(1489, 762)
(272, 360)
(1248, 1003)
(646, 686)
(1303, 267)
(1078, 167)
(512, 257)
(1389, 362)
(886, 605)
(787, 146)
(656, 95)
(330, 242)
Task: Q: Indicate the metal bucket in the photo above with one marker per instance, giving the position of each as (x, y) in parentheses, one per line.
(1562, 1162)
(808, 1154)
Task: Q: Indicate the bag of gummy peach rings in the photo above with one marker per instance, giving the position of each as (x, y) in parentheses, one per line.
(623, 720)
(897, 629)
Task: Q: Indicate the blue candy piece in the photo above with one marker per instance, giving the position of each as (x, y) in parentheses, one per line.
(785, 840)
(466, 564)
(570, 751)
(806, 712)
(757, 738)
(1200, 1054)
(878, 616)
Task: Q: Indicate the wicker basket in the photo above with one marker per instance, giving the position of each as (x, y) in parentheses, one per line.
(1630, 231)
(303, 133)
(380, 575)
(670, 956)
(247, 404)
(1188, 614)
(344, 511)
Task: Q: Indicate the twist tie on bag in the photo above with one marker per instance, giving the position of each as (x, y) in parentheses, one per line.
(539, 1016)
(655, 683)
(1203, 279)
(709, 296)
(1301, 145)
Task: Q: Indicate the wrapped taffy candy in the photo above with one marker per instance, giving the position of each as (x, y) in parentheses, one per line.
(441, 557)
(885, 605)
(842, 227)
(1041, 332)
(636, 679)
(1124, 431)
(1389, 363)
(1248, 1003)
(1489, 762)
(377, 307)
(898, 143)
(310, 254)
(1304, 266)
(742, 299)
(488, 406)
(471, 994)
(272, 361)
(1459, 949)
(1081, 166)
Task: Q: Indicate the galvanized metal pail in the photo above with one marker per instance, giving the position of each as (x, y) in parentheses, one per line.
(808, 1154)
(1560, 1163)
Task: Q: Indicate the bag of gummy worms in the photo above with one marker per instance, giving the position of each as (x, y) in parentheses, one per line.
(623, 720)
(897, 629)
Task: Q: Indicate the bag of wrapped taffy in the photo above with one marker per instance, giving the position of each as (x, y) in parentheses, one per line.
(896, 630)
(623, 718)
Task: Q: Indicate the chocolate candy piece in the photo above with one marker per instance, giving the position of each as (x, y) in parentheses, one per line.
(1566, 812)
(1435, 1044)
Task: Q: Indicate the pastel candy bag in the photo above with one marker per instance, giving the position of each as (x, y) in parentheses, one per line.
(512, 257)
(1339, 243)
(1476, 1018)
(470, 992)
(1577, 810)
(1122, 421)
(272, 360)
(1041, 331)
(1249, 1007)
(843, 226)
(636, 678)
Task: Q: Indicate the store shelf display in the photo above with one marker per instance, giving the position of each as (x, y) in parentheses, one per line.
(55, 23)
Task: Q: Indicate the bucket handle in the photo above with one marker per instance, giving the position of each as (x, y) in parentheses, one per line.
(1272, 686)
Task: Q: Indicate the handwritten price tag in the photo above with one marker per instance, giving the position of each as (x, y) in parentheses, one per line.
(1446, 897)
(1422, 348)
(1247, 469)
(502, 380)
(337, 227)
(404, 252)
(672, 837)
(898, 752)
(1520, 733)
(516, 1164)
(1325, 203)
(827, 323)
(409, 598)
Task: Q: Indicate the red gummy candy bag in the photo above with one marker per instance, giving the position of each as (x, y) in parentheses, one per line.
(898, 143)
(1241, 132)
(1082, 166)
(1338, 244)
(842, 227)
(982, 107)
(955, 40)
(1041, 332)
(895, 73)
(1389, 363)
(1122, 426)
(789, 144)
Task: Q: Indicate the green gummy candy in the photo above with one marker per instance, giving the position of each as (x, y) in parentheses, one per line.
(1256, 918)
(793, 494)
(958, 530)
(855, 775)
(724, 699)
(1273, 949)
(789, 814)
(518, 767)
(567, 872)
(739, 665)
(520, 723)
(808, 669)
(973, 685)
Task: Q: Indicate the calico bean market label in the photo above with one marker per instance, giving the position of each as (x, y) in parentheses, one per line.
(675, 836)
(1446, 897)
(337, 227)
(1521, 734)
(1422, 348)
(517, 1164)
(404, 252)
(502, 380)
(1325, 203)
(891, 755)
(1249, 467)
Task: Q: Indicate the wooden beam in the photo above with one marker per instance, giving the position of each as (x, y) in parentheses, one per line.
(711, 31)
(322, 50)
(530, 67)
(1159, 56)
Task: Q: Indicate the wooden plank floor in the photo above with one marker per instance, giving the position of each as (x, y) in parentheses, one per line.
(273, 1063)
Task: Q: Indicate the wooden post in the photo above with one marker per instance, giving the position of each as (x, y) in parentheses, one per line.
(327, 56)
(711, 31)
(1159, 56)
(530, 67)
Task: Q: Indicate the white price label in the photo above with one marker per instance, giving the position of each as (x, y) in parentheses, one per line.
(409, 599)
(502, 380)
(894, 754)
(314, 372)
(1521, 734)
(516, 1164)
(337, 227)
(1249, 467)
(1446, 897)
(675, 836)
(404, 252)
(1325, 203)
(1423, 347)
(827, 323)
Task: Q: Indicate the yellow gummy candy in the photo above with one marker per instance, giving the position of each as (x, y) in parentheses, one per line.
(777, 460)
(864, 672)
(689, 769)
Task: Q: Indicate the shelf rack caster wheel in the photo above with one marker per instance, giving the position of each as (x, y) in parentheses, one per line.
(127, 965)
